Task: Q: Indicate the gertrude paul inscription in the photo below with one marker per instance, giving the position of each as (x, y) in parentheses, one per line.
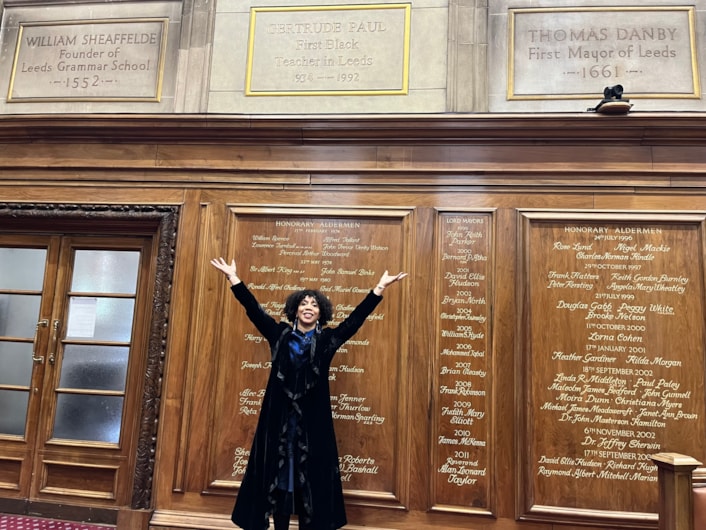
(329, 50)
(616, 340)
(98, 60)
(565, 53)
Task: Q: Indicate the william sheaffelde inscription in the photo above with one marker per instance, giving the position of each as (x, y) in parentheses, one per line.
(327, 49)
(89, 60)
(577, 52)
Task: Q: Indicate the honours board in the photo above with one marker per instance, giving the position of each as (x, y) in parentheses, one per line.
(343, 256)
(613, 356)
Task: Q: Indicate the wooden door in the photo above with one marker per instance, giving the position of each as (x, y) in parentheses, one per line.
(73, 337)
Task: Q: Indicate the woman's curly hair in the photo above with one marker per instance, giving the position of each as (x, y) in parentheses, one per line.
(293, 300)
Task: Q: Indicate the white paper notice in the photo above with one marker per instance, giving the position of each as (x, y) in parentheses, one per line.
(82, 317)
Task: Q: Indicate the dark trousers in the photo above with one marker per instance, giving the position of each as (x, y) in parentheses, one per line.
(288, 503)
(282, 522)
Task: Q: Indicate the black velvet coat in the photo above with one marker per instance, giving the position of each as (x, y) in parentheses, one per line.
(306, 392)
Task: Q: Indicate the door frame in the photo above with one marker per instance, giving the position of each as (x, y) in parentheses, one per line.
(160, 223)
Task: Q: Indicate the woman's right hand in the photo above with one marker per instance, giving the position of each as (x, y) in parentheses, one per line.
(226, 268)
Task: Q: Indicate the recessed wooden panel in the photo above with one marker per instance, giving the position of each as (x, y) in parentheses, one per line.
(342, 252)
(643, 162)
(461, 439)
(79, 480)
(613, 358)
(10, 469)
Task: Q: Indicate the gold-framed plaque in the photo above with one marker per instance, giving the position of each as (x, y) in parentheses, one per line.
(574, 52)
(89, 60)
(329, 50)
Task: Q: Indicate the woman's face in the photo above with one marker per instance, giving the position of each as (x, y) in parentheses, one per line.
(308, 313)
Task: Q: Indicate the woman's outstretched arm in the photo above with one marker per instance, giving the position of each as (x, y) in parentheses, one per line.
(265, 324)
(228, 269)
(386, 280)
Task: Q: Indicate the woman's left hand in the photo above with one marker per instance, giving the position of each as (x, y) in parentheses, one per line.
(387, 279)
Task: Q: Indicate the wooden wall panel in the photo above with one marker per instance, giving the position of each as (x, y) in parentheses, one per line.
(410, 184)
(10, 473)
(613, 361)
(342, 252)
(461, 440)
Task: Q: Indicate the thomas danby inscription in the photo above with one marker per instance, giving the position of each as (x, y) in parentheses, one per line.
(616, 364)
(574, 52)
(120, 60)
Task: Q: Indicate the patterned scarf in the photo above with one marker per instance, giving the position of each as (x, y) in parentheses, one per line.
(300, 346)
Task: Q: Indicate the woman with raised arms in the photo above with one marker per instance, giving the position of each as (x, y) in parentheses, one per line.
(293, 465)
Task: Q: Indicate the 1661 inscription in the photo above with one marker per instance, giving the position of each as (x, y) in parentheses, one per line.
(649, 50)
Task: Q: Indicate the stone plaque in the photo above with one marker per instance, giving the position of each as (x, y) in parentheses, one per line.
(329, 50)
(614, 357)
(564, 53)
(97, 60)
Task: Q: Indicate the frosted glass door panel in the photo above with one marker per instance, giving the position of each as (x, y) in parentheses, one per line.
(19, 314)
(89, 418)
(105, 319)
(15, 364)
(22, 269)
(21, 283)
(13, 404)
(96, 345)
(105, 271)
(94, 367)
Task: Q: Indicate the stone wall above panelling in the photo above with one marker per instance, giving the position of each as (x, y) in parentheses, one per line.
(89, 58)
(241, 57)
(359, 58)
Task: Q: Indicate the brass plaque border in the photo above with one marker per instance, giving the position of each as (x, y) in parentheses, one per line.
(160, 69)
(403, 90)
(512, 12)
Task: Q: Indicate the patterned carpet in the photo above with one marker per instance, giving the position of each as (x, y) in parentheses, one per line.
(22, 522)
